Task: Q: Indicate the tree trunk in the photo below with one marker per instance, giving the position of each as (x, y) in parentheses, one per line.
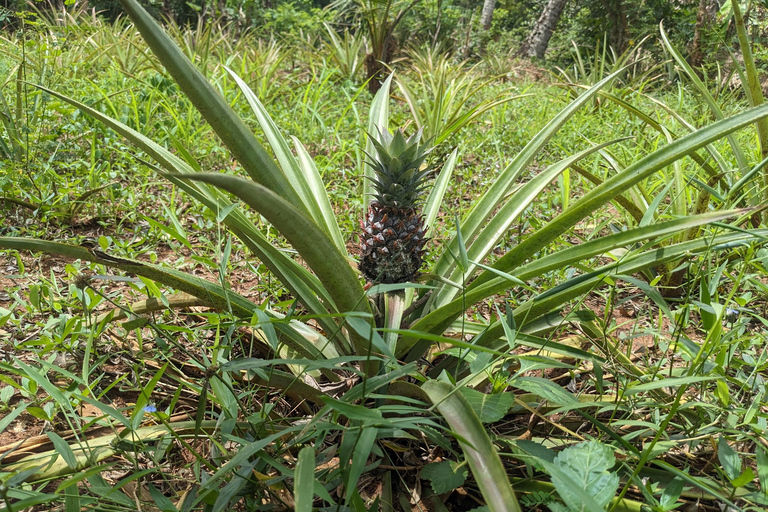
(707, 11)
(619, 32)
(538, 39)
(487, 16)
(376, 63)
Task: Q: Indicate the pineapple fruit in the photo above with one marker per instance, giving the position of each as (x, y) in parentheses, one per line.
(392, 239)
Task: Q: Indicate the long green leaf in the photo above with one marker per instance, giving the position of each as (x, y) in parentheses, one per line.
(301, 173)
(52, 464)
(303, 284)
(534, 309)
(435, 198)
(213, 107)
(206, 290)
(378, 118)
(314, 246)
(498, 226)
(722, 165)
(702, 90)
(754, 89)
(490, 200)
(439, 320)
(531, 310)
(304, 480)
(619, 183)
(484, 461)
(325, 216)
(298, 280)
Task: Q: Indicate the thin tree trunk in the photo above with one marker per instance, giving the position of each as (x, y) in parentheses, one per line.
(617, 16)
(538, 40)
(707, 11)
(487, 16)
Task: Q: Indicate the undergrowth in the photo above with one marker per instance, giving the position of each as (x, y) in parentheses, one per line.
(630, 377)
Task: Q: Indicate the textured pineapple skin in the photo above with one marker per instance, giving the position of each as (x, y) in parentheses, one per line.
(391, 244)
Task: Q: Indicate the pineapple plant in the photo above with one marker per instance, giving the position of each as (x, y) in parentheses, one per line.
(392, 239)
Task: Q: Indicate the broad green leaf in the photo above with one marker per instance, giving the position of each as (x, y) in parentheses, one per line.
(538, 450)
(108, 410)
(581, 477)
(243, 454)
(227, 495)
(546, 389)
(671, 494)
(144, 397)
(161, 501)
(64, 450)
(12, 415)
(82, 475)
(365, 331)
(729, 459)
(27, 503)
(744, 478)
(707, 485)
(444, 476)
(762, 466)
(352, 411)
(46, 384)
(360, 456)
(489, 408)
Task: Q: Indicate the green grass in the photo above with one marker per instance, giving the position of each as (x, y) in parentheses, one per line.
(655, 396)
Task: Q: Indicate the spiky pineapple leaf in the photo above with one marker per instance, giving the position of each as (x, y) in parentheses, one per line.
(478, 449)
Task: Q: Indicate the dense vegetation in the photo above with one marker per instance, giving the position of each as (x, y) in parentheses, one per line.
(182, 319)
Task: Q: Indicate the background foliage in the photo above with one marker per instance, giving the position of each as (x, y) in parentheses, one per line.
(590, 327)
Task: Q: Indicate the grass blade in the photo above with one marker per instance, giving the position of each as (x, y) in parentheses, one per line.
(304, 480)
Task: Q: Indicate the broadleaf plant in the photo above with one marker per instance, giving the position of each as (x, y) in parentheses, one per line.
(369, 333)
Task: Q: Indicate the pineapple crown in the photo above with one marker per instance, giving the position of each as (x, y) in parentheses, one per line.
(398, 178)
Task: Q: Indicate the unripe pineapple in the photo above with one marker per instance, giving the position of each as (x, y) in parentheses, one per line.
(392, 240)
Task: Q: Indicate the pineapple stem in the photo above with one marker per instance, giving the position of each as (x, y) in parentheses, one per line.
(394, 305)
